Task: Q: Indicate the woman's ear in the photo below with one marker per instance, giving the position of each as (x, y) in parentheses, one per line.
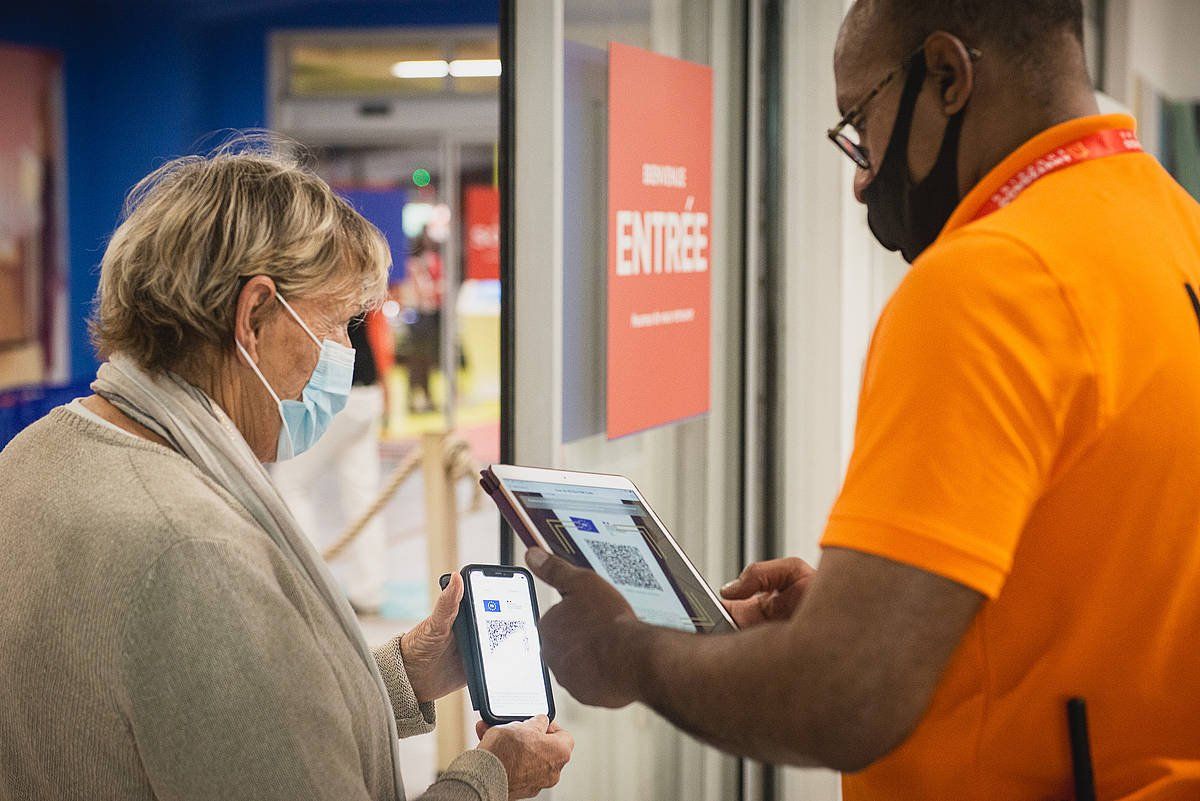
(950, 64)
(252, 301)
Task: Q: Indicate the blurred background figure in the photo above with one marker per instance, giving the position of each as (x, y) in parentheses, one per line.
(421, 296)
(342, 471)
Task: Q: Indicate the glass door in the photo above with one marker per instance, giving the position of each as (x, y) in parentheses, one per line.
(557, 243)
(404, 124)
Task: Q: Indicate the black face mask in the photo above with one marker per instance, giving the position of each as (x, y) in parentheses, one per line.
(905, 216)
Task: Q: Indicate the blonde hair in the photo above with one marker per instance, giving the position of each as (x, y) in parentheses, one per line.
(194, 229)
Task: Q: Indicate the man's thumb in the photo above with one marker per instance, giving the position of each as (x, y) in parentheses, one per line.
(553, 570)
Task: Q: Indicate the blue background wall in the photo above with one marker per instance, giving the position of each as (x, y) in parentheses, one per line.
(147, 81)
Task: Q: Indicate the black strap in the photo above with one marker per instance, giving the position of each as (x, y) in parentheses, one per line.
(1195, 300)
(1081, 750)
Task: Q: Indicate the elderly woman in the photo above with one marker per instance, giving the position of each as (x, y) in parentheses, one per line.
(165, 629)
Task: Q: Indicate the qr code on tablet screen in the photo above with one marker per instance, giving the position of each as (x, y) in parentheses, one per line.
(625, 565)
(500, 630)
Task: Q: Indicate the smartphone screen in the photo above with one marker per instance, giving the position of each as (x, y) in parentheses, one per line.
(509, 646)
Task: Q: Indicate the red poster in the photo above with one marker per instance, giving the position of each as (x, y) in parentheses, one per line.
(482, 213)
(659, 238)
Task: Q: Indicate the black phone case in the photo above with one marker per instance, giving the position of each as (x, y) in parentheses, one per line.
(468, 648)
(462, 637)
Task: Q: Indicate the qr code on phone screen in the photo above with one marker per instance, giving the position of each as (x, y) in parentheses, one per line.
(500, 630)
(625, 565)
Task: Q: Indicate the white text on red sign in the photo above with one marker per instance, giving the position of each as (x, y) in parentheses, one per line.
(657, 242)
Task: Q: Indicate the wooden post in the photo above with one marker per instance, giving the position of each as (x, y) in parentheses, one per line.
(441, 523)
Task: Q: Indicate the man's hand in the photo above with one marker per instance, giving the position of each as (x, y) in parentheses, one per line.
(769, 590)
(533, 753)
(584, 635)
(430, 654)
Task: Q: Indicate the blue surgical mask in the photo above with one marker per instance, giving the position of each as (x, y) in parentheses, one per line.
(325, 394)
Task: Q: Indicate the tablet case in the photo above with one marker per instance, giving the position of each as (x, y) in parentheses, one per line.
(491, 485)
(487, 480)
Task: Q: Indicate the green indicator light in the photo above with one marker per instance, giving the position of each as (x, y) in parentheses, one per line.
(421, 177)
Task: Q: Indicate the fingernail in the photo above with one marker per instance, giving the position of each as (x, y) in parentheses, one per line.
(729, 584)
(536, 557)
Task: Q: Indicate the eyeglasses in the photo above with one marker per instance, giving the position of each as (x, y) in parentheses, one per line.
(855, 151)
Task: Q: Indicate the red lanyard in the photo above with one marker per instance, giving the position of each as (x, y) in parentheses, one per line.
(1093, 146)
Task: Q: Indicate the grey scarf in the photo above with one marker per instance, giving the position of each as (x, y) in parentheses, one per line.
(197, 427)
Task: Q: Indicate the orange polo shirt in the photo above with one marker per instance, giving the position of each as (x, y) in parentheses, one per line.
(1029, 427)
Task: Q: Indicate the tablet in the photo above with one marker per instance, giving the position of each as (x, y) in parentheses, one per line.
(602, 523)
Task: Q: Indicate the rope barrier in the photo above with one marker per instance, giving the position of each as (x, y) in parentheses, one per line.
(406, 468)
(458, 465)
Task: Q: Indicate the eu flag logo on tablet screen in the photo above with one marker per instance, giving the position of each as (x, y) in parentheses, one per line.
(491, 606)
(583, 524)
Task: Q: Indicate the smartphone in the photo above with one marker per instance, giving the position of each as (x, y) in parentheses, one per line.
(497, 635)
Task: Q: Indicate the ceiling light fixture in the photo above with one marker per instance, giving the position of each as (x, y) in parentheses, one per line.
(421, 69)
(475, 67)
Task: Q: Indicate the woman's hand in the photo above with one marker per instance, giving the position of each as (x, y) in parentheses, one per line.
(766, 591)
(533, 753)
(430, 655)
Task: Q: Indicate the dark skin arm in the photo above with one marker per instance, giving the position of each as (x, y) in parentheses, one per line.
(840, 683)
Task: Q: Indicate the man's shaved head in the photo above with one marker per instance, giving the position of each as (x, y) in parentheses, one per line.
(1016, 27)
(1031, 36)
(991, 75)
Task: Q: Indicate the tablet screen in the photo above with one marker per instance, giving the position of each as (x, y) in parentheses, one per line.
(610, 531)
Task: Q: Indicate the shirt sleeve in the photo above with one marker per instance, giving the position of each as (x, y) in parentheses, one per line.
(412, 717)
(474, 775)
(977, 382)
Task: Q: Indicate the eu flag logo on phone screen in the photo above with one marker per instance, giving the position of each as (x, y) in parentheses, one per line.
(491, 606)
(583, 524)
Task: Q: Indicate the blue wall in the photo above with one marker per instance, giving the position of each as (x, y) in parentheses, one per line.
(147, 80)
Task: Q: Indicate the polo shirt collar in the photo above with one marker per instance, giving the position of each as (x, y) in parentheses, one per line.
(1041, 144)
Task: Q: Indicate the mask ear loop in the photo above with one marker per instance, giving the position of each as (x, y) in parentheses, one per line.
(296, 317)
(257, 372)
(265, 383)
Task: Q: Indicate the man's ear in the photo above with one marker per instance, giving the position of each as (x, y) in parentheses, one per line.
(950, 65)
(252, 302)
